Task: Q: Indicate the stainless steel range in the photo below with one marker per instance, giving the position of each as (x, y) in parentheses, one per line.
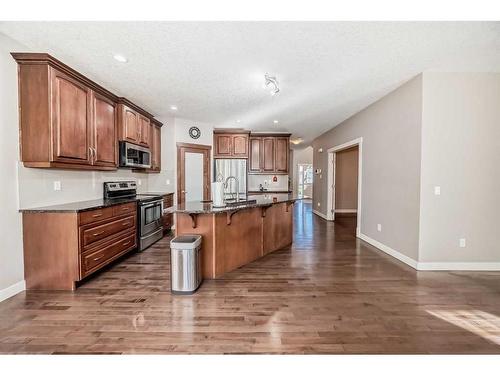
(149, 210)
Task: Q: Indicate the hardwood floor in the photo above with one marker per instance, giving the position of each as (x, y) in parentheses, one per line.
(327, 293)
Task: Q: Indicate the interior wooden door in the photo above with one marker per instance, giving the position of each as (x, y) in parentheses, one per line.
(104, 131)
(255, 155)
(268, 145)
(188, 148)
(281, 160)
(240, 145)
(70, 120)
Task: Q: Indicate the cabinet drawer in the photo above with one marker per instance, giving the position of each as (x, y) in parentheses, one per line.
(99, 232)
(88, 217)
(92, 261)
(124, 209)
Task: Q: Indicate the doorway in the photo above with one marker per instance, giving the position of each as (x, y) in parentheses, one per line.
(344, 181)
(304, 180)
(193, 172)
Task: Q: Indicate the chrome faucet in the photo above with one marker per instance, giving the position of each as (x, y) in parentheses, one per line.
(237, 186)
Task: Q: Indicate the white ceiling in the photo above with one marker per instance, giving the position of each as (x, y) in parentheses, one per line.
(214, 71)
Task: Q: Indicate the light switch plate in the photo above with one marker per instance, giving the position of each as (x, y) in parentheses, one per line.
(462, 242)
(57, 185)
(437, 190)
(379, 227)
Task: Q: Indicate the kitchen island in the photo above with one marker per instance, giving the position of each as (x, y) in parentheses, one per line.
(237, 234)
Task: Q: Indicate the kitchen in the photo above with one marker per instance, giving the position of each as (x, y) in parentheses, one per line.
(120, 134)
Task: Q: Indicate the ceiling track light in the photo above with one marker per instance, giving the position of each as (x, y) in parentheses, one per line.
(271, 83)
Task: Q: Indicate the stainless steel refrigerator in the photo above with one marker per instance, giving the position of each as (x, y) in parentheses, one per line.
(225, 168)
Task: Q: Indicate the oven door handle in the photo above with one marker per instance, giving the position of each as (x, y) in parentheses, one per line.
(152, 204)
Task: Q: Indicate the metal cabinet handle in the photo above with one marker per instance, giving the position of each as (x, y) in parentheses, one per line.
(96, 259)
(99, 233)
(126, 223)
(126, 243)
(96, 215)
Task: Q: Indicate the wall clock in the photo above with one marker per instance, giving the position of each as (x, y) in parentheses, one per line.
(194, 132)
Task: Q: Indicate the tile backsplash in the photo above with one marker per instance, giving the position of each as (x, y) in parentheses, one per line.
(267, 181)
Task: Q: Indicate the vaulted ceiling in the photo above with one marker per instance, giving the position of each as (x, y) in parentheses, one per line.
(214, 71)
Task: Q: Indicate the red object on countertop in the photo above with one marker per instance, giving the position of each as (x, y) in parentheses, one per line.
(275, 179)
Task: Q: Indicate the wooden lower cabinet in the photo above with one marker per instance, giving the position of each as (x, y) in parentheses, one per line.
(168, 219)
(62, 248)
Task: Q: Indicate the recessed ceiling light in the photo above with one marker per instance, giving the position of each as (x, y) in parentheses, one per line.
(120, 58)
(275, 121)
(173, 107)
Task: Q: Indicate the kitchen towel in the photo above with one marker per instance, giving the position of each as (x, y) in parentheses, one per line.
(218, 194)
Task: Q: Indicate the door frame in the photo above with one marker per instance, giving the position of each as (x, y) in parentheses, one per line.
(330, 215)
(205, 150)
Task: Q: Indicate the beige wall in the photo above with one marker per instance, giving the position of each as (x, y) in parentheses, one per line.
(346, 179)
(461, 154)
(390, 186)
(11, 249)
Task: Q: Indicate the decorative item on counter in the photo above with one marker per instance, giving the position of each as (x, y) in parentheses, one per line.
(275, 199)
(275, 179)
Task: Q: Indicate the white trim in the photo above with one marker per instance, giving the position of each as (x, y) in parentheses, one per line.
(458, 266)
(12, 290)
(346, 210)
(320, 214)
(386, 249)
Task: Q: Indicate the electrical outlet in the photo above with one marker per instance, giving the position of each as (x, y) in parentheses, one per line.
(168, 181)
(57, 185)
(379, 227)
(461, 242)
(139, 182)
(437, 190)
(319, 204)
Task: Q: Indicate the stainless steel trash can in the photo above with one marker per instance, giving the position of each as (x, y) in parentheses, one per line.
(185, 264)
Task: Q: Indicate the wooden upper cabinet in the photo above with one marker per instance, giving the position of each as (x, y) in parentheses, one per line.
(229, 144)
(254, 162)
(222, 144)
(268, 154)
(129, 124)
(70, 120)
(282, 153)
(144, 131)
(240, 145)
(156, 149)
(105, 151)
(268, 146)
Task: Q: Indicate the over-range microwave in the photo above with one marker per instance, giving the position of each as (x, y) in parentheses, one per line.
(134, 156)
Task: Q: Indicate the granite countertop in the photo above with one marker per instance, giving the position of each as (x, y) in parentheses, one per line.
(207, 208)
(269, 191)
(80, 206)
(157, 193)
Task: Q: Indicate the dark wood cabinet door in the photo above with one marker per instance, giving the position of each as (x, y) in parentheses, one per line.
(240, 145)
(144, 131)
(281, 160)
(223, 145)
(156, 149)
(254, 164)
(268, 146)
(130, 125)
(71, 120)
(104, 131)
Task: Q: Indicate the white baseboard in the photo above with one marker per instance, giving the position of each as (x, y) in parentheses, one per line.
(386, 249)
(346, 211)
(458, 266)
(431, 266)
(12, 290)
(320, 214)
